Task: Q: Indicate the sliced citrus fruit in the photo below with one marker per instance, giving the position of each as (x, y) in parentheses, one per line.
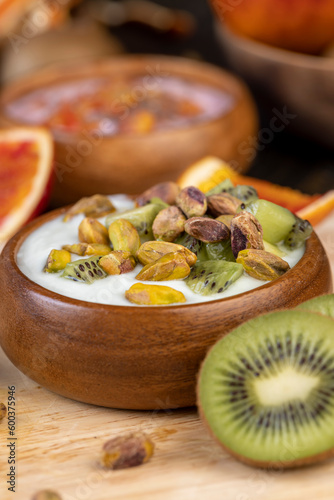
(319, 209)
(26, 156)
(210, 171)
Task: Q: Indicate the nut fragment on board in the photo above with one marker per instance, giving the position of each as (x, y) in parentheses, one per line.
(3, 411)
(46, 495)
(93, 206)
(126, 451)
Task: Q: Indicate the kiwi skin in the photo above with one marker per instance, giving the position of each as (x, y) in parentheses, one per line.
(272, 464)
(324, 305)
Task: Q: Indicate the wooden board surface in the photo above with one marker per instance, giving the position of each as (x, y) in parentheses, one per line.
(59, 442)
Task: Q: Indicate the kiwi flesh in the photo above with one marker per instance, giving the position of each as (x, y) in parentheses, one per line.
(276, 221)
(141, 218)
(84, 270)
(266, 390)
(300, 231)
(322, 305)
(194, 245)
(220, 251)
(244, 193)
(213, 276)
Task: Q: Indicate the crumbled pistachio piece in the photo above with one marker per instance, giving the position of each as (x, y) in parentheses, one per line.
(168, 224)
(262, 265)
(118, 262)
(150, 295)
(207, 230)
(151, 251)
(246, 232)
(57, 261)
(192, 202)
(94, 206)
(171, 266)
(127, 451)
(124, 236)
(92, 231)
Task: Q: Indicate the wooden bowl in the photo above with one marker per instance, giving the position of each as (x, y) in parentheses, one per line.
(299, 86)
(133, 163)
(131, 357)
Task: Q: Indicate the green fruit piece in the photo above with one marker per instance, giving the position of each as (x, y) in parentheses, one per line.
(213, 276)
(195, 246)
(276, 221)
(141, 218)
(150, 295)
(301, 230)
(247, 194)
(220, 251)
(84, 270)
(323, 305)
(266, 390)
(124, 236)
(57, 261)
(223, 186)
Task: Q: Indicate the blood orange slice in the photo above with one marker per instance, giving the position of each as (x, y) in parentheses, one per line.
(26, 160)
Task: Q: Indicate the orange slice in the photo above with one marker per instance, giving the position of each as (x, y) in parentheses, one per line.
(210, 171)
(26, 160)
(319, 209)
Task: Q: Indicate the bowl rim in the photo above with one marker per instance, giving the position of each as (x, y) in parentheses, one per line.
(272, 53)
(231, 84)
(12, 247)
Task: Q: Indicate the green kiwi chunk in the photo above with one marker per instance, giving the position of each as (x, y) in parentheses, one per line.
(323, 305)
(220, 251)
(276, 221)
(141, 218)
(84, 270)
(213, 276)
(194, 245)
(244, 193)
(301, 230)
(222, 187)
(266, 390)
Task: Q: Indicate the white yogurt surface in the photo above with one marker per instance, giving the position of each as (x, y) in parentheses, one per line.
(34, 251)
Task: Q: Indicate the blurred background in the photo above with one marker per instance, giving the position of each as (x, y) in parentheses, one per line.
(284, 51)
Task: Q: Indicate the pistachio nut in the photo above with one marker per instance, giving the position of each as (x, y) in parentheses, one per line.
(223, 204)
(192, 201)
(168, 224)
(118, 262)
(246, 232)
(207, 230)
(151, 251)
(171, 266)
(57, 261)
(149, 295)
(166, 191)
(124, 236)
(94, 206)
(262, 265)
(92, 231)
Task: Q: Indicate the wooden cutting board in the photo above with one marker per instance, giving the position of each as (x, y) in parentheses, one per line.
(59, 442)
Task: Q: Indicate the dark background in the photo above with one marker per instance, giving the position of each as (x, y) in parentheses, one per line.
(289, 159)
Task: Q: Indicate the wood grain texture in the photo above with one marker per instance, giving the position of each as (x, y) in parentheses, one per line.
(133, 163)
(59, 443)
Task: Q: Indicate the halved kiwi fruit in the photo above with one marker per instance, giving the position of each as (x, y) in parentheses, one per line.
(266, 390)
(323, 305)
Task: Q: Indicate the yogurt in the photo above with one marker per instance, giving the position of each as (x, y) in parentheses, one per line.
(34, 251)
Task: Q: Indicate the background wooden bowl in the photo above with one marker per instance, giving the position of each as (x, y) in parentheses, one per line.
(132, 163)
(294, 83)
(130, 357)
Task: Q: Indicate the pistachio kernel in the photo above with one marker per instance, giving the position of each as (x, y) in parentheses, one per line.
(118, 262)
(223, 204)
(192, 202)
(168, 224)
(151, 251)
(171, 266)
(124, 236)
(207, 230)
(92, 231)
(153, 295)
(94, 206)
(129, 450)
(246, 232)
(262, 265)
(166, 191)
(57, 261)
